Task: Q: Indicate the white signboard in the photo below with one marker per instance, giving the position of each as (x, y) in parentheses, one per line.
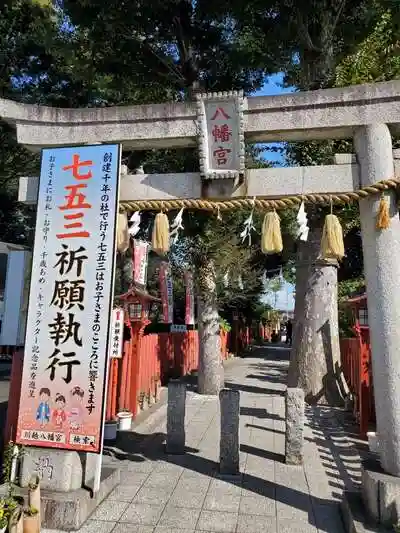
(117, 333)
(222, 135)
(178, 328)
(70, 299)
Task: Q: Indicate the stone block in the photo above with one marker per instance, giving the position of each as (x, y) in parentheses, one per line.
(370, 490)
(68, 511)
(354, 517)
(294, 426)
(344, 159)
(58, 470)
(380, 493)
(89, 464)
(389, 501)
(229, 440)
(176, 417)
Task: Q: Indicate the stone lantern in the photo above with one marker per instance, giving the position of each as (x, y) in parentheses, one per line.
(136, 303)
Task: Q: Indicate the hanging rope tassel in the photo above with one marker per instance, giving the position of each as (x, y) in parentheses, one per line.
(271, 237)
(332, 245)
(383, 216)
(122, 233)
(160, 237)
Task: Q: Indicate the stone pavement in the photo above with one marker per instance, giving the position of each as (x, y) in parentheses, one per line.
(184, 494)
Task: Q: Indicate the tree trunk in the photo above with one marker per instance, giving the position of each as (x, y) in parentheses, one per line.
(124, 272)
(315, 356)
(211, 372)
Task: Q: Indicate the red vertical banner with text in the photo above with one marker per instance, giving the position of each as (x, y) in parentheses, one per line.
(167, 295)
(140, 262)
(189, 298)
(67, 340)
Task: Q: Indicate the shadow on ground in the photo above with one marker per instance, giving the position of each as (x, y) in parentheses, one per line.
(339, 446)
(135, 447)
(271, 367)
(334, 430)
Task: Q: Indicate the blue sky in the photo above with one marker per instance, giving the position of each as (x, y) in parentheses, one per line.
(285, 297)
(273, 85)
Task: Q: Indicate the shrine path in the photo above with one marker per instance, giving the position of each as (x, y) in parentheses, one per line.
(184, 494)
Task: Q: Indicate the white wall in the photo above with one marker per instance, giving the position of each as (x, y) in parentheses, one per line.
(16, 298)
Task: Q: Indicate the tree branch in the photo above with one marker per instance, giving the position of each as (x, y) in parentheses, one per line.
(305, 33)
(338, 15)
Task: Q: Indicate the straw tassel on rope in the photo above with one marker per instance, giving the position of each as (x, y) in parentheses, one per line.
(271, 237)
(122, 233)
(332, 245)
(160, 237)
(383, 216)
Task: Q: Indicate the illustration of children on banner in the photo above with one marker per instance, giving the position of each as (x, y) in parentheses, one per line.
(77, 409)
(59, 414)
(43, 410)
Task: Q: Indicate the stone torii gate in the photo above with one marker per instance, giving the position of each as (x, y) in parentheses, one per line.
(366, 113)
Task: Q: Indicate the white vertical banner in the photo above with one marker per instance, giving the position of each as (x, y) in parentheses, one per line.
(70, 299)
(117, 333)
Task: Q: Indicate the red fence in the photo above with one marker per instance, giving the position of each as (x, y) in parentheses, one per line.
(134, 380)
(149, 361)
(357, 369)
(185, 348)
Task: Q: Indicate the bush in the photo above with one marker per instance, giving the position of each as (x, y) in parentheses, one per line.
(224, 325)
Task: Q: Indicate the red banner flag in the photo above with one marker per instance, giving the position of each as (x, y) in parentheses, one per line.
(189, 307)
(167, 296)
(140, 261)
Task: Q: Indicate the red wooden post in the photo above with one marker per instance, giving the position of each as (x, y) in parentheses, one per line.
(164, 361)
(136, 365)
(116, 365)
(109, 390)
(14, 396)
(365, 388)
(124, 376)
(186, 355)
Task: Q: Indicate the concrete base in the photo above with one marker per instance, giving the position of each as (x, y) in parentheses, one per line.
(353, 514)
(380, 493)
(68, 511)
(58, 470)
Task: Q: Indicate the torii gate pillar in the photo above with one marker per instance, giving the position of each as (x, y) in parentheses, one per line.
(382, 271)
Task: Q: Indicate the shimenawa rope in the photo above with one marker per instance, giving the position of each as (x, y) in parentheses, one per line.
(261, 203)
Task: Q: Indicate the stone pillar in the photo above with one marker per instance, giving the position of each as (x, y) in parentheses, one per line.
(382, 272)
(294, 426)
(229, 443)
(176, 417)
